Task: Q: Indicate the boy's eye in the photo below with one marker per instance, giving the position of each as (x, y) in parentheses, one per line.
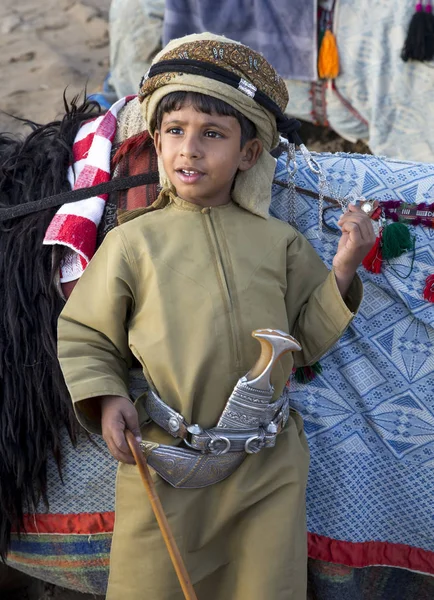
(213, 134)
(175, 130)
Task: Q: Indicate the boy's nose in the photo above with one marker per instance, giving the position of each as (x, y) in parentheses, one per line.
(191, 147)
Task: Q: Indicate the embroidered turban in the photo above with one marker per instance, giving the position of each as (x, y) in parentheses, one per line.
(227, 70)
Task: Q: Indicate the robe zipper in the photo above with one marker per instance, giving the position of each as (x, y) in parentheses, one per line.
(226, 287)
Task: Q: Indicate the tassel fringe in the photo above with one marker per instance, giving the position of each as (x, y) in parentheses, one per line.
(374, 259)
(328, 57)
(428, 292)
(419, 44)
(306, 374)
(395, 240)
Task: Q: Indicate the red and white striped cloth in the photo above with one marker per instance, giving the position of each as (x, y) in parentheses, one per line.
(75, 224)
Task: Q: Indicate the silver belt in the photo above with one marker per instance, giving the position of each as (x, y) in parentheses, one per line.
(249, 423)
(220, 440)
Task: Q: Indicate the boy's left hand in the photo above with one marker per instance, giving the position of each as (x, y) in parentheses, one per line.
(357, 239)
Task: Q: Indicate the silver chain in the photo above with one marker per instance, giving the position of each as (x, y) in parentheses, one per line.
(291, 193)
(323, 186)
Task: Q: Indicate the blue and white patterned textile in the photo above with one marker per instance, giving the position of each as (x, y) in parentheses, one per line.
(369, 417)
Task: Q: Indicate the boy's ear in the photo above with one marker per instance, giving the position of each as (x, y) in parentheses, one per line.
(157, 142)
(250, 153)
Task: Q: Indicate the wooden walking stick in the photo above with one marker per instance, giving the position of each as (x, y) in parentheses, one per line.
(162, 521)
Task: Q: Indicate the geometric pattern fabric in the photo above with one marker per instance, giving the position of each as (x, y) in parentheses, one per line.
(369, 417)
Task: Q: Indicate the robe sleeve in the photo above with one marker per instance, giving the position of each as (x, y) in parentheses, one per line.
(92, 331)
(317, 313)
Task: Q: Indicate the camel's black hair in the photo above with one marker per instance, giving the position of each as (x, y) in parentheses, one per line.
(34, 403)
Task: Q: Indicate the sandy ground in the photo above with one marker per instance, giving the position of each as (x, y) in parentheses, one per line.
(45, 47)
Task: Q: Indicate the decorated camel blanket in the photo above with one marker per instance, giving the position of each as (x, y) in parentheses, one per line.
(369, 416)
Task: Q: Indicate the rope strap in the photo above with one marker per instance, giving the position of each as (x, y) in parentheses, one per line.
(120, 183)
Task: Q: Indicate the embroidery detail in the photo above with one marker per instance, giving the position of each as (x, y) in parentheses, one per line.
(236, 58)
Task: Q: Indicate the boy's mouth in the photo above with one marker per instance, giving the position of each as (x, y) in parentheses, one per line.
(189, 175)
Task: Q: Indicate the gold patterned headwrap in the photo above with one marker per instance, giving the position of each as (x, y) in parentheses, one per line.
(251, 74)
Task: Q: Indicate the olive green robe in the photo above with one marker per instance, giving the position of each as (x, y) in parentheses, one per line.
(181, 289)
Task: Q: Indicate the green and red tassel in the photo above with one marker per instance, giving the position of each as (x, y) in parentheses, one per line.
(393, 240)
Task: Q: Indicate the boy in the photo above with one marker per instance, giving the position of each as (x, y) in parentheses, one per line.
(181, 288)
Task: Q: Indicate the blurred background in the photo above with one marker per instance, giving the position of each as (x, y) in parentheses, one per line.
(49, 46)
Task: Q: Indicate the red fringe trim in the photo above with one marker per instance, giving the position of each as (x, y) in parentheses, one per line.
(352, 554)
(367, 554)
(80, 523)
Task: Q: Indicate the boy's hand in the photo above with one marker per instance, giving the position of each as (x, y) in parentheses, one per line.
(357, 239)
(117, 415)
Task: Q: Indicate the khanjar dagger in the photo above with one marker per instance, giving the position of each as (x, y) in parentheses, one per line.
(249, 422)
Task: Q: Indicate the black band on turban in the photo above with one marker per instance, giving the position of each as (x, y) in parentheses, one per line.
(286, 126)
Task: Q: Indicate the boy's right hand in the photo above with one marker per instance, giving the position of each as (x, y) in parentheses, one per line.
(117, 415)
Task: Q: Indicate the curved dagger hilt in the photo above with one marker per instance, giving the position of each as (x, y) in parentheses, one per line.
(274, 344)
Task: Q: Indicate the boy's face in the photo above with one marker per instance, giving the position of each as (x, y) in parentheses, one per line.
(201, 154)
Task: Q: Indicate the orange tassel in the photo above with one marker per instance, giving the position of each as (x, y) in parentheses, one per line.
(374, 259)
(428, 292)
(328, 57)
